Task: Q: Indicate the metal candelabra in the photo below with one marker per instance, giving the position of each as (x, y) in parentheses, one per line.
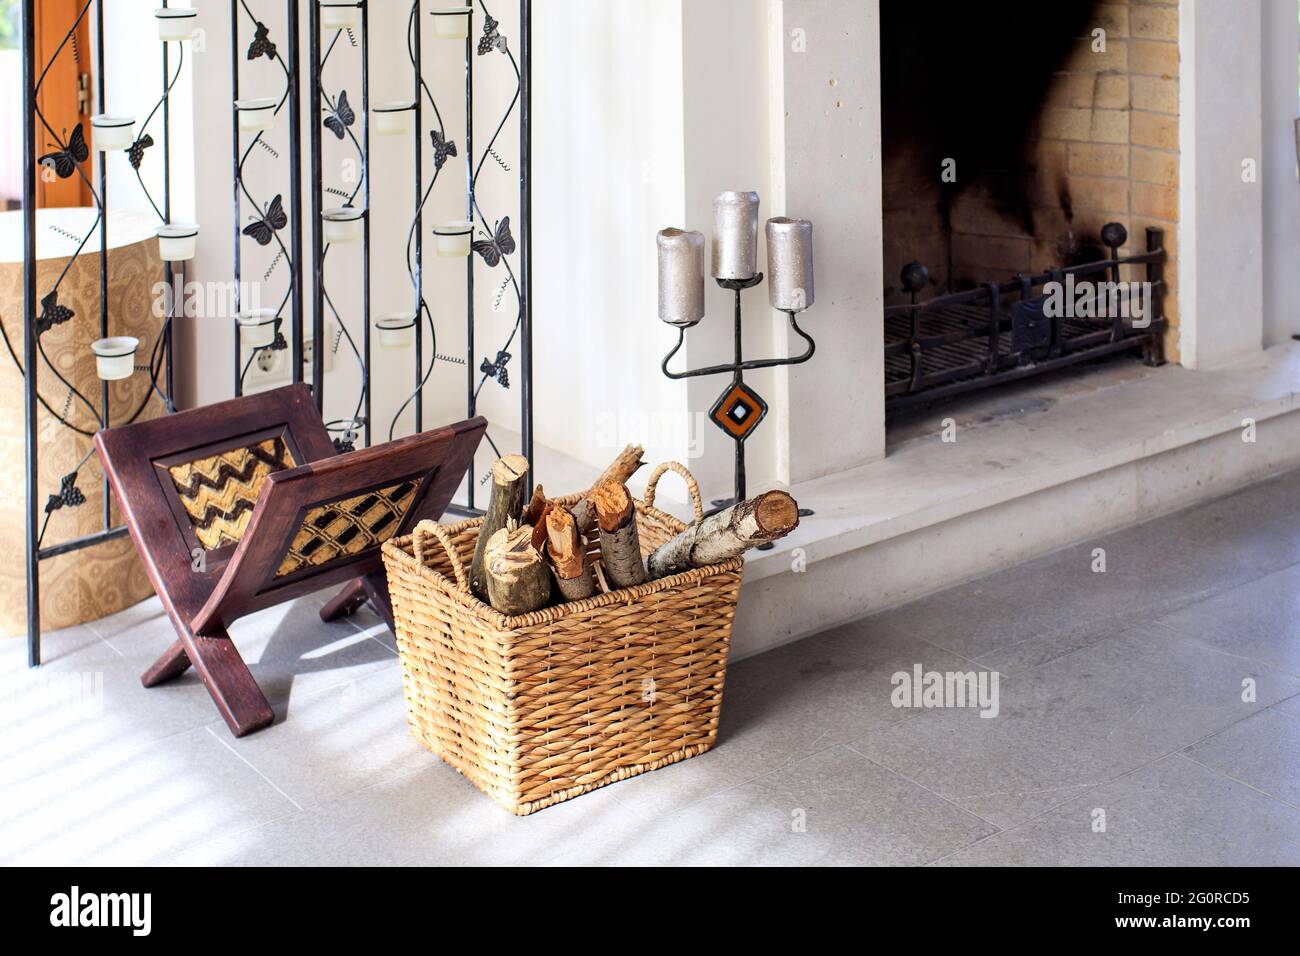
(739, 409)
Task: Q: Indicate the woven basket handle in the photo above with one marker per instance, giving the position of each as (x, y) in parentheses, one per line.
(691, 486)
(427, 527)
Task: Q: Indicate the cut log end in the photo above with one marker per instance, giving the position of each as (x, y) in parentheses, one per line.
(613, 505)
(727, 534)
(566, 547)
(518, 580)
(777, 513)
(624, 465)
(509, 469)
(620, 546)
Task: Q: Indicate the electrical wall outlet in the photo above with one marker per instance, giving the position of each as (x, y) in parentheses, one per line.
(309, 350)
(270, 368)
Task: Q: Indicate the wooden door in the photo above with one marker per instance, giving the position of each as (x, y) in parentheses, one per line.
(66, 96)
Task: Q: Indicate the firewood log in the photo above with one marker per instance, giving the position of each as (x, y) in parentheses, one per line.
(509, 488)
(536, 505)
(535, 515)
(518, 580)
(565, 549)
(620, 545)
(620, 470)
(731, 532)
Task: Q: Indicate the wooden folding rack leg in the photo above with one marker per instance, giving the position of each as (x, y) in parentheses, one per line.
(346, 602)
(376, 585)
(228, 680)
(173, 663)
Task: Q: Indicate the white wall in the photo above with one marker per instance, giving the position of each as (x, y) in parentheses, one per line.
(608, 171)
(1281, 53)
(826, 168)
(133, 66)
(1221, 231)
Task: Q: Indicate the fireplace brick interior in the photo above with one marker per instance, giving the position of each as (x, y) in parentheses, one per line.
(1051, 138)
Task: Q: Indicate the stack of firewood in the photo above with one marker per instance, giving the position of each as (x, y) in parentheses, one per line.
(533, 551)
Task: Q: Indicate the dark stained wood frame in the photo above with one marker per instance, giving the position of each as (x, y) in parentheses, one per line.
(203, 603)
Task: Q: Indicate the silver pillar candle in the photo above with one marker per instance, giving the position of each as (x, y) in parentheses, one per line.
(735, 235)
(681, 276)
(789, 264)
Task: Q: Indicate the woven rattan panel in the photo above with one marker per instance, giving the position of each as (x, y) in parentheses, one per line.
(219, 492)
(348, 527)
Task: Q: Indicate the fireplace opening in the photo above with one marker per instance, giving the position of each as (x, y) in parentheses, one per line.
(1030, 189)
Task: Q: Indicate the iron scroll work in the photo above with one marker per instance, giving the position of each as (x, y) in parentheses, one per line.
(62, 154)
(1002, 331)
(268, 233)
(497, 243)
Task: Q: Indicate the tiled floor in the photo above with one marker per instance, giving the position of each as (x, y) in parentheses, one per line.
(1147, 715)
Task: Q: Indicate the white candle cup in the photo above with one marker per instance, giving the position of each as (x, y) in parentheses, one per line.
(396, 329)
(452, 239)
(177, 241)
(789, 264)
(735, 235)
(393, 119)
(115, 357)
(342, 223)
(112, 133)
(340, 14)
(451, 23)
(256, 327)
(256, 116)
(681, 276)
(176, 24)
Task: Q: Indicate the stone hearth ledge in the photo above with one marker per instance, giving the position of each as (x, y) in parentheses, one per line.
(1034, 468)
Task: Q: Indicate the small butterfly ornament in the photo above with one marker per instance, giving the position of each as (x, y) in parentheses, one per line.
(69, 496)
(64, 161)
(497, 369)
(264, 229)
(136, 153)
(492, 39)
(52, 313)
(501, 244)
(261, 45)
(341, 117)
(442, 148)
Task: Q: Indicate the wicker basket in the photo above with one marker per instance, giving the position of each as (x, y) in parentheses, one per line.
(540, 707)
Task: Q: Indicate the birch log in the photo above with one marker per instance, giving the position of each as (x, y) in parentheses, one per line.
(620, 470)
(518, 580)
(565, 548)
(769, 516)
(620, 545)
(509, 489)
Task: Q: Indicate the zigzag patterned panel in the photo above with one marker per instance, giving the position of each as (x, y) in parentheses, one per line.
(219, 492)
(348, 527)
